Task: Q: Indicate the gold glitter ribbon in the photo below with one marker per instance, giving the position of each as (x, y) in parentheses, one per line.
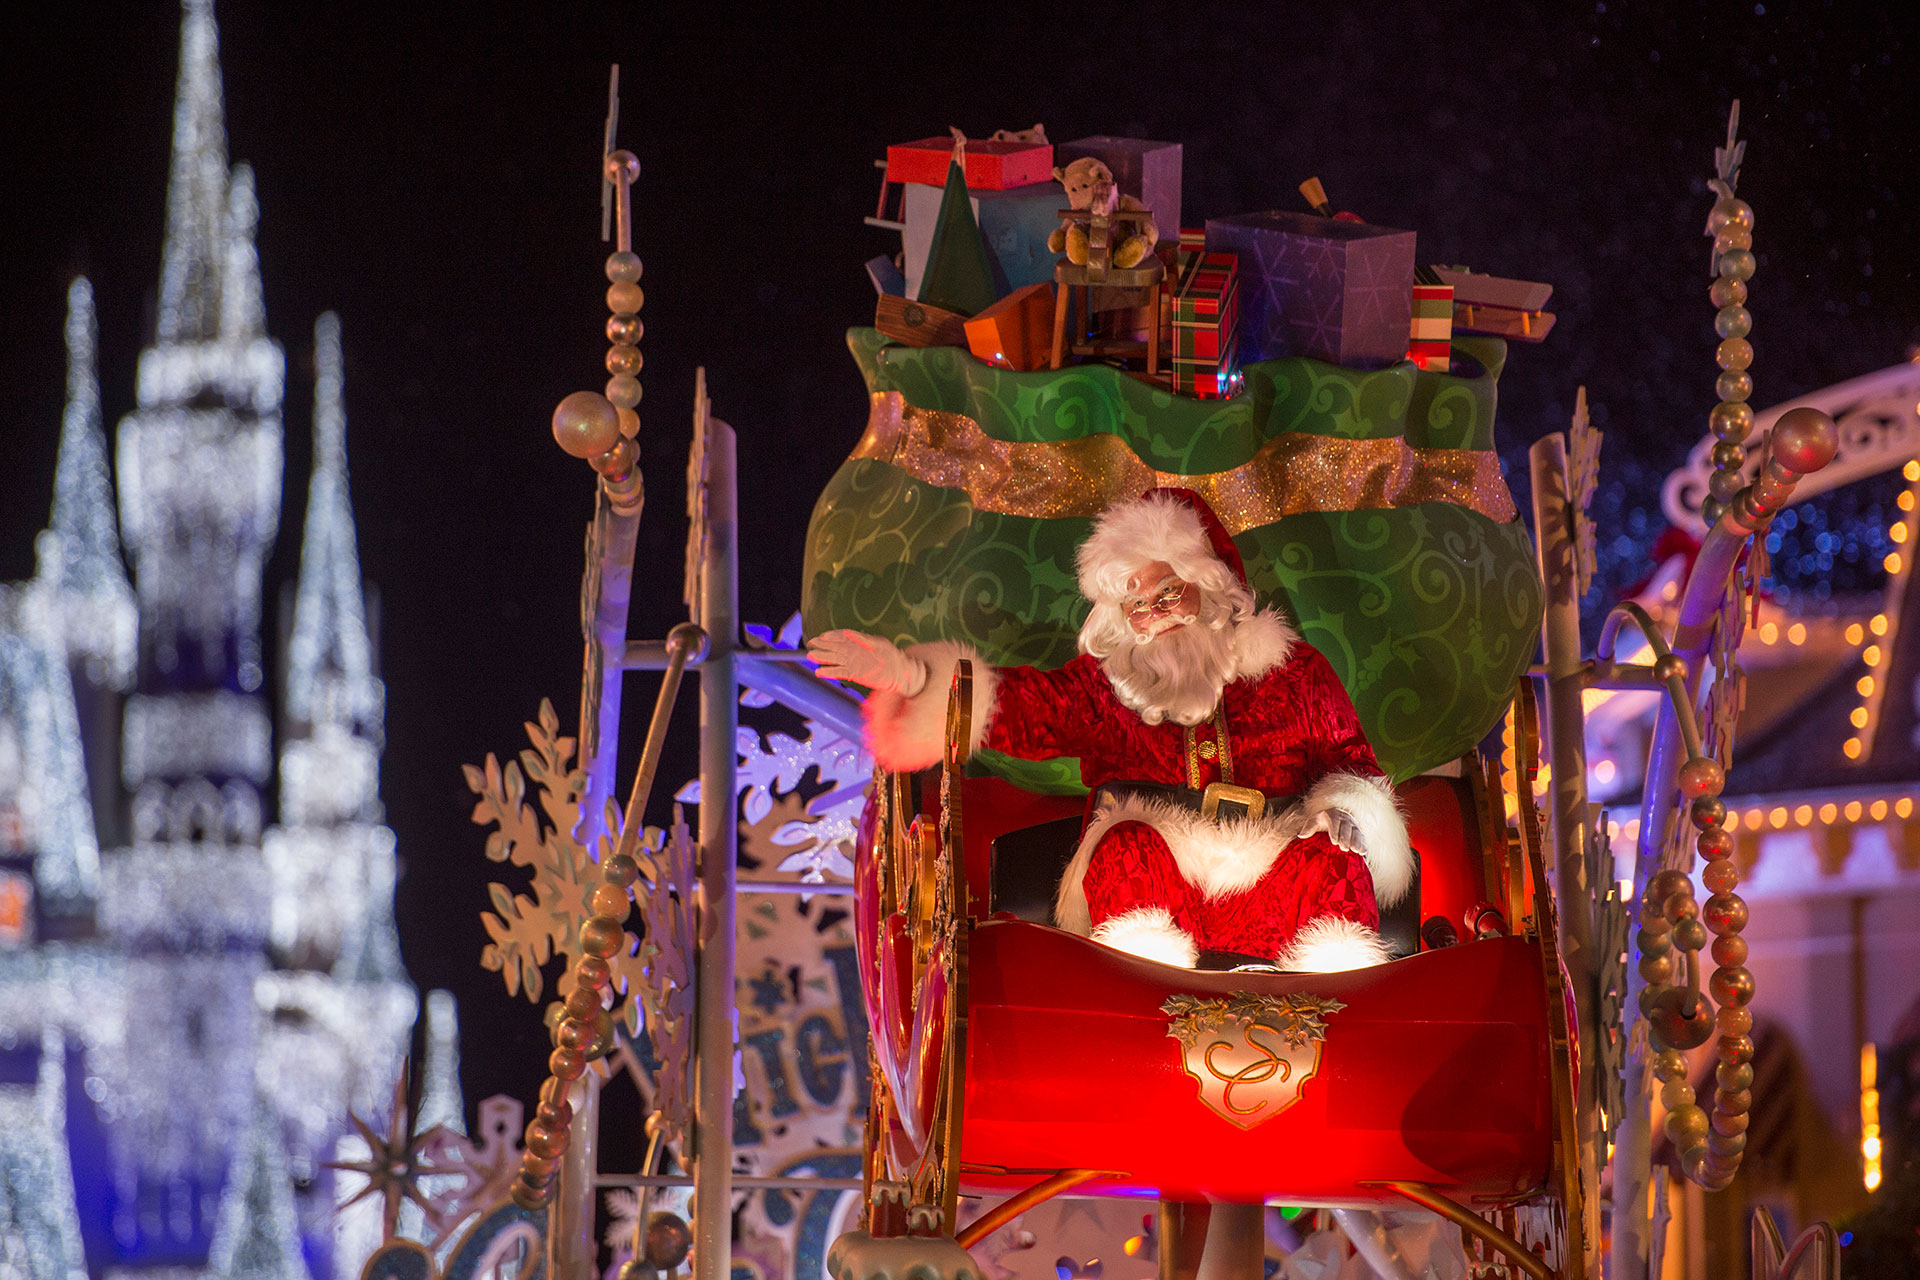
(1292, 473)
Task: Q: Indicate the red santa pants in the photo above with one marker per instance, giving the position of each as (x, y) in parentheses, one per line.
(1132, 867)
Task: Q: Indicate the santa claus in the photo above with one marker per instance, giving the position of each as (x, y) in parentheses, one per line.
(1237, 812)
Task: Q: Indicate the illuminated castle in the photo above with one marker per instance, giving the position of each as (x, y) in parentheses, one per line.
(191, 999)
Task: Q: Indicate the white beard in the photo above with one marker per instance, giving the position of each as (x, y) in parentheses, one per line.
(1176, 675)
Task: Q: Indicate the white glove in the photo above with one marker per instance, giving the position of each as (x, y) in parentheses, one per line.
(863, 659)
(1341, 829)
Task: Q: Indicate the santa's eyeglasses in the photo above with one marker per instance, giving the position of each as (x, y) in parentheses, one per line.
(1160, 603)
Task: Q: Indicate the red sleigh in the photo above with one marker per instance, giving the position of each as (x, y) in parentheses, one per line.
(1015, 1059)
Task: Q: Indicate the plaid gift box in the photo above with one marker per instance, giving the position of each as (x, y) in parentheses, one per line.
(1206, 325)
(1432, 338)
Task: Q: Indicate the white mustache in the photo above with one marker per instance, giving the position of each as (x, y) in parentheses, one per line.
(1160, 626)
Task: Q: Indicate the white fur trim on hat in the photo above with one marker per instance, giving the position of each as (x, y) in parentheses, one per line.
(1130, 534)
(1151, 934)
(1331, 944)
(1369, 802)
(1260, 644)
(907, 733)
(1216, 858)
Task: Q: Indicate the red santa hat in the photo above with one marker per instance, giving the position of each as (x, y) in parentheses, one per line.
(1167, 524)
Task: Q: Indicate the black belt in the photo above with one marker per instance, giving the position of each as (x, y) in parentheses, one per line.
(1219, 801)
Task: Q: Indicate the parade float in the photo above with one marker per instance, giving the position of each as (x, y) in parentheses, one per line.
(1051, 341)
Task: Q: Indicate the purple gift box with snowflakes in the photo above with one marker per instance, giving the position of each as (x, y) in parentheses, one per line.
(1321, 287)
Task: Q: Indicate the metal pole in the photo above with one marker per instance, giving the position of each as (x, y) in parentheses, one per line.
(1567, 754)
(572, 1245)
(719, 836)
(606, 633)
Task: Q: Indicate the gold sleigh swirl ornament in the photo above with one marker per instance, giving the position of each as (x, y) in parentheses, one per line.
(1251, 1054)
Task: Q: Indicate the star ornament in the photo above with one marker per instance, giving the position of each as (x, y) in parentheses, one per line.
(394, 1163)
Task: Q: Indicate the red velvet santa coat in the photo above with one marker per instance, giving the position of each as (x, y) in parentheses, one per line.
(1256, 887)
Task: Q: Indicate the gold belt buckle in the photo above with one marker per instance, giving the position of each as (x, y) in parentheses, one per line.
(1254, 801)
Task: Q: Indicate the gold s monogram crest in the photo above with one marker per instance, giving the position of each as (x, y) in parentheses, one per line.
(1250, 1054)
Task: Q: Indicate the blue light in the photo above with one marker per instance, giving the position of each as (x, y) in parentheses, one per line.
(1846, 1238)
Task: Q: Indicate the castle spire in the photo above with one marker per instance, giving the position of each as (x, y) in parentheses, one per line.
(330, 656)
(191, 269)
(90, 610)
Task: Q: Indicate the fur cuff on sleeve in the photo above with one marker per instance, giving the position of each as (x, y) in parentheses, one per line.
(1330, 944)
(1369, 801)
(908, 733)
(1151, 934)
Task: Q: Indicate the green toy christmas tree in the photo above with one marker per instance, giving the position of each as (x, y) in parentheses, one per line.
(959, 276)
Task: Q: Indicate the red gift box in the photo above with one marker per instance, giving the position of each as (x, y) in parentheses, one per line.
(991, 166)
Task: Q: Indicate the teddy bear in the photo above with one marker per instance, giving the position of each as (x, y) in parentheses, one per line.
(1089, 185)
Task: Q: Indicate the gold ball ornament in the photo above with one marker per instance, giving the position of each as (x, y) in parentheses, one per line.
(1726, 292)
(1702, 775)
(624, 297)
(1730, 949)
(1708, 811)
(1730, 213)
(616, 461)
(621, 870)
(668, 1240)
(583, 1001)
(623, 390)
(623, 267)
(546, 1141)
(566, 1064)
(611, 901)
(1734, 384)
(1687, 1125)
(593, 970)
(585, 423)
(1731, 420)
(1804, 440)
(1734, 353)
(600, 937)
(625, 330)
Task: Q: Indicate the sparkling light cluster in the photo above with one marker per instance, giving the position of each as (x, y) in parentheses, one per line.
(80, 599)
(330, 678)
(43, 784)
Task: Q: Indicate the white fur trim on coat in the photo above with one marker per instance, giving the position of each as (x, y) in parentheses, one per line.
(1369, 801)
(909, 732)
(1151, 934)
(1331, 944)
(1217, 858)
(1260, 644)
(1130, 534)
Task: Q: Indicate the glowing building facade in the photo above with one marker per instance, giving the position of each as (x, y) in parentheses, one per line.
(191, 999)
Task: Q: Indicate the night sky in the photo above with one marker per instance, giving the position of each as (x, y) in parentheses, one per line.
(433, 177)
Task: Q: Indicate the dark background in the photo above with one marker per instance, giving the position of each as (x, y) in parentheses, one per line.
(432, 175)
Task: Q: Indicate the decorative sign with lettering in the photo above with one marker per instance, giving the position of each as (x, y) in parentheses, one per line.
(803, 1053)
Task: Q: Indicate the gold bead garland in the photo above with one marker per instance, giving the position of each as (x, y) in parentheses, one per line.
(1679, 1016)
(1730, 223)
(583, 1032)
